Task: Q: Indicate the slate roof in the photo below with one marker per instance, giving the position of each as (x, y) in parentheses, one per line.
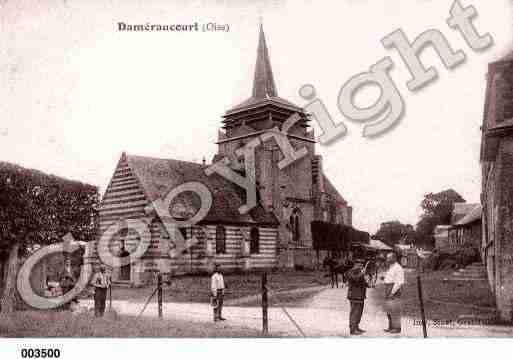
(159, 176)
(461, 210)
(332, 191)
(257, 102)
(264, 88)
(472, 216)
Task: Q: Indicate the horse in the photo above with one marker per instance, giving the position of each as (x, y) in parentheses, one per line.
(332, 264)
(335, 268)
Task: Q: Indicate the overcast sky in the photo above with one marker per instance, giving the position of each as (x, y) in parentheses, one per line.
(76, 92)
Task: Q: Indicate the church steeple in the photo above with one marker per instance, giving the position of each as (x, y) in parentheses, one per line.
(263, 83)
(264, 92)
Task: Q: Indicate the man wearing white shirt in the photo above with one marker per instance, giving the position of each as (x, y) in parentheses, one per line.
(217, 288)
(100, 281)
(394, 282)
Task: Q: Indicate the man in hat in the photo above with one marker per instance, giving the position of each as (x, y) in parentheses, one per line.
(394, 281)
(101, 282)
(217, 288)
(356, 293)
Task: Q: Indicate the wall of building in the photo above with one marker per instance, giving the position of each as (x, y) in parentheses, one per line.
(468, 236)
(497, 188)
(503, 228)
(124, 198)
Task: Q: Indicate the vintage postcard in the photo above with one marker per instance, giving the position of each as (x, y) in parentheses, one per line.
(254, 169)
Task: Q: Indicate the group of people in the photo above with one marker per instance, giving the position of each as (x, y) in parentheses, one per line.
(358, 281)
(354, 274)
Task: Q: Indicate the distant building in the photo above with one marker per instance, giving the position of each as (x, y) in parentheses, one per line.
(277, 233)
(497, 185)
(464, 230)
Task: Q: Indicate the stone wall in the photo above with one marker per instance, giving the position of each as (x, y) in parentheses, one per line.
(504, 229)
(497, 190)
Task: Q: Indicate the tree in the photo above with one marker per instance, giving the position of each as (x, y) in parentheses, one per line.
(36, 208)
(392, 232)
(437, 209)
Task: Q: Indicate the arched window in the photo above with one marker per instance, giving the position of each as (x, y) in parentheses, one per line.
(254, 244)
(295, 224)
(220, 240)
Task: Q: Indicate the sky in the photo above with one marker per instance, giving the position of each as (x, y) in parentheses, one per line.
(76, 92)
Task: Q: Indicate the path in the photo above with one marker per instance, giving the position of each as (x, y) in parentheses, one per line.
(326, 314)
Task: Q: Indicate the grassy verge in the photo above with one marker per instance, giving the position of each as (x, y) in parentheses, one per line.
(288, 299)
(64, 324)
(446, 300)
(195, 288)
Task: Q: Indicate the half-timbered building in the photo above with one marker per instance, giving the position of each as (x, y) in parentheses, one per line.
(275, 233)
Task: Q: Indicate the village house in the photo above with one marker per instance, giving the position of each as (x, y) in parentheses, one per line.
(277, 233)
(497, 187)
(465, 231)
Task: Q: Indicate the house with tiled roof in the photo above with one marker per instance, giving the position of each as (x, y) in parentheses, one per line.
(275, 233)
(464, 231)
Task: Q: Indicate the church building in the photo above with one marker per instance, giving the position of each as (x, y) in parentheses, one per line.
(276, 233)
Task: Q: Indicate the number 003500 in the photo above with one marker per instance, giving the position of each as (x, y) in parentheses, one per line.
(40, 353)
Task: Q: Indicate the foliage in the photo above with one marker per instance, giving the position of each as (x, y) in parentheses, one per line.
(392, 232)
(39, 209)
(335, 237)
(458, 259)
(437, 209)
(36, 208)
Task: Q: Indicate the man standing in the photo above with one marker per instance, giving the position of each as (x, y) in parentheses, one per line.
(100, 282)
(356, 293)
(217, 288)
(394, 281)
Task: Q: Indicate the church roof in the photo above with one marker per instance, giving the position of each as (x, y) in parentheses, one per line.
(159, 176)
(263, 83)
(264, 88)
(332, 191)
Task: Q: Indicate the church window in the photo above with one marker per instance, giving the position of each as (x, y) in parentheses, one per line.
(220, 240)
(254, 244)
(295, 226)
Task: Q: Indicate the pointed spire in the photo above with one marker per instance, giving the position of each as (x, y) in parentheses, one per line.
(263, 83)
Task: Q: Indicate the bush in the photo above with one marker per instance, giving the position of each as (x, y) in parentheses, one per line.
(456, 260)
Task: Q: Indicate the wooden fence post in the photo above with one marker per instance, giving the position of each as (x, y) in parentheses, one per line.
(265, 320)
(422, 313)
(159, 293)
